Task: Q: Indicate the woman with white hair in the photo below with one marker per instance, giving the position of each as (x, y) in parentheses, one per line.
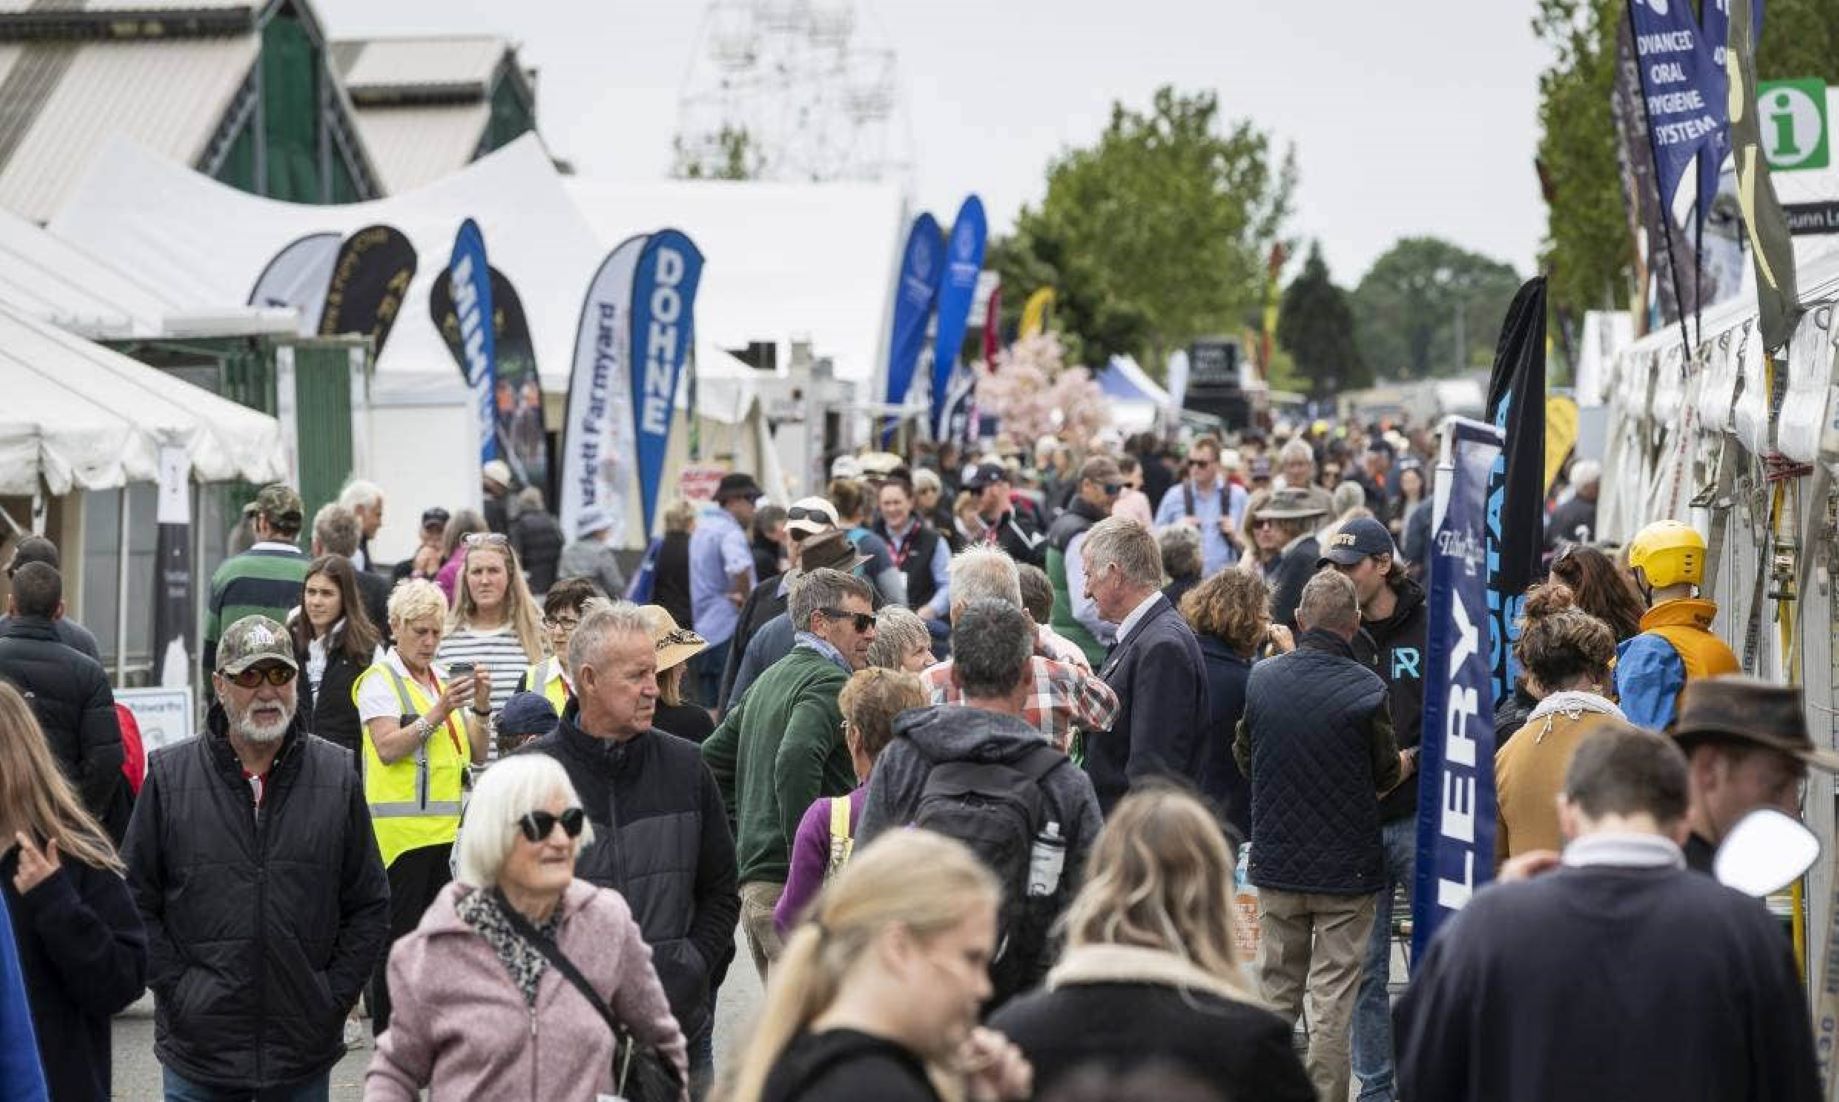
(481, 1009)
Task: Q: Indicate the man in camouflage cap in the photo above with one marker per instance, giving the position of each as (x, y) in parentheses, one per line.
(264, 580)
(253, 843)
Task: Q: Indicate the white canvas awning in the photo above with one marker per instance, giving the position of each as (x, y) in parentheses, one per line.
(79, 416)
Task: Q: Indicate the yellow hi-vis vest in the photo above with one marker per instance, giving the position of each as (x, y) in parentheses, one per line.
(546, 677)
(415, 801)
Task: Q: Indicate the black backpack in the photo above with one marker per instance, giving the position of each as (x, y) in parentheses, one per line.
(997, 809)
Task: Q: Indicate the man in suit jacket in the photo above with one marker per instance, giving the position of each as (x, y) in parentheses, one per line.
(1156, 668)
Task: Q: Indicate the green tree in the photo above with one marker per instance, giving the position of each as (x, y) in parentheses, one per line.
(733, 155)
(1154, 235)
(1588, 250)
(1315, 325)
(1428, 307)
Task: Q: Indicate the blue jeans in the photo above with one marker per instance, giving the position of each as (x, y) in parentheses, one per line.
(1373, 1011)
(707, 668)
(181, 1089)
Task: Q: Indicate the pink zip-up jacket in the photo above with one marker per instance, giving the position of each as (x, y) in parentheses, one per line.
(461, 1028)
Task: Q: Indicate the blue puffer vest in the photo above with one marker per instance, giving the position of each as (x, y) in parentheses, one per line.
(1315, 810)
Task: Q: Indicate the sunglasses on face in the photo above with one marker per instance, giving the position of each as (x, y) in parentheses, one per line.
(487, 539)
(1200, 464)
(1261, 524)
(537, 825)
(255, 675)
(862, 620)
(1112, 489)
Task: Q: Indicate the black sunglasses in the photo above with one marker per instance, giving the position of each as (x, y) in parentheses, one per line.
(254, 675)
(805, 512)
(863, 620)
(537, 825)
(1112, 489)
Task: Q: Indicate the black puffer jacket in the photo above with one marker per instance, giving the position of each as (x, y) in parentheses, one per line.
(661, 841)
(330, 712)
(1317, 744)
(262, 925)
(69, 693)
(1393, 648)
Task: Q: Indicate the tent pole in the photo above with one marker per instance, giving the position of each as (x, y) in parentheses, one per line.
(121, 590)
(200, 596)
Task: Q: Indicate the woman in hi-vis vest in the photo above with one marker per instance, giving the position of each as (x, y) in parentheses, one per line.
(423, 725)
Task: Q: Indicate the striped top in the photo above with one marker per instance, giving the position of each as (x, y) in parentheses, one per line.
(497, 651)
(264, 580)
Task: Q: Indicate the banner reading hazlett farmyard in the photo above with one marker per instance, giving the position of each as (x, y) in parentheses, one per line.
(663, 319)
(597, 465)
(1456, 757)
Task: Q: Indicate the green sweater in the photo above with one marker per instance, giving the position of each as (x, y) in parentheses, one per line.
(255, 583)
(777, 750)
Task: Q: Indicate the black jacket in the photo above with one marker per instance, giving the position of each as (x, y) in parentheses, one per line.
(844, 1065)
(765, 600)
(1216, 775)
(1572, 522)
(1123, 1007)
(83, 954)
(1161, 686)
(263, 924)
(1294, 570)
(1607, 982)
(374, 592)
(1079, 516)
(661, 841)
(1316, 742)
(1394, 649)
(330, 713)
(71, 634)
(69, 693)
(538, 540)
(916, 563)
(1020, 537)
(670, 579)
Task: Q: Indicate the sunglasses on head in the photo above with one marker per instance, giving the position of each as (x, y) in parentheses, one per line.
(863, 620)
(255, 675)
(805, 512)
(487, 539)
(537, 825)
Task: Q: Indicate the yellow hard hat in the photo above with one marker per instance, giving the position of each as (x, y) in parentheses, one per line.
(1668, 552)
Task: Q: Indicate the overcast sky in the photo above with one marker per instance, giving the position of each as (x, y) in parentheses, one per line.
(1407, 118)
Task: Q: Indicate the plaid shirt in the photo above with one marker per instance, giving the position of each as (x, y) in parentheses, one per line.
(1064, 697)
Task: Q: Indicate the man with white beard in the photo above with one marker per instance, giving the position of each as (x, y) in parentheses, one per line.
(254, 864)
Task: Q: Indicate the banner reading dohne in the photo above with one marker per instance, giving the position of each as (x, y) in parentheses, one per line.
(921, 267)
(517, 390)
(174, 617)
(369, 279)
(297, 277)
(663, 334)
(470, 282)
(963, 260)
(1456, 757)
(1516, 487)
(597, 462)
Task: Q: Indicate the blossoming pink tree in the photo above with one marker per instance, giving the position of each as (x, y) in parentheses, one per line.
(1036, 394)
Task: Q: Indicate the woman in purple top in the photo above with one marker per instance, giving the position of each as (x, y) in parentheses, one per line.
(869, 703)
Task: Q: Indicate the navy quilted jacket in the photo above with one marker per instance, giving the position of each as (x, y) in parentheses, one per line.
(1316, 741)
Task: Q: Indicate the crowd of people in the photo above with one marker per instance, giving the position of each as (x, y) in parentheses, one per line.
(973, 751)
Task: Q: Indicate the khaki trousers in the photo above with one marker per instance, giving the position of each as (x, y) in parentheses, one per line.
(758, 898)
(1316, 945)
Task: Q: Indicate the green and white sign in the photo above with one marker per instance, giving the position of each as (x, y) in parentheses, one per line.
(1792, 114)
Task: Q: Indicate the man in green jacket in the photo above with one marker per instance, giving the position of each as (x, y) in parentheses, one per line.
(781, 746)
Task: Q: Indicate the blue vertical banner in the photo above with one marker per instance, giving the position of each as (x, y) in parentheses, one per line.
(470, 279)
(1684, 90)
(663, 335)
(1456, 804)
(963, 260)
(922, 265)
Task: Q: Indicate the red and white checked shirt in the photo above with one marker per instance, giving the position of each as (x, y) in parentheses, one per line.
(1064, 697)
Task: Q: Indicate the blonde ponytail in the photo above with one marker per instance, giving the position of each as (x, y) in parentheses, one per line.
(914, 878)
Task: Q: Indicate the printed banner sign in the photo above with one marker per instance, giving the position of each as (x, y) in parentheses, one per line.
(597, 465)
(1456, 757)
(663, 340)
(1516, 486)
(369, 280)
(297, 278)
(163, 714)
(964, 259)
(921, 268)
(469, 280)
(699, 482)
(517, 389)
(174, 619)
(1682, 83)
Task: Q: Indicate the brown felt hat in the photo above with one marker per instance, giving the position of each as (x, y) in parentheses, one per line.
(1746, 709)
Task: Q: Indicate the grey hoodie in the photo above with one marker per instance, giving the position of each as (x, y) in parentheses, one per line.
(924, 737)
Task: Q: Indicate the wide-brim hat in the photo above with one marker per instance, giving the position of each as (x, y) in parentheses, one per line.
(675, 645)
(738, 484)
(1746, 709)
(830, 549)
(1290, 503)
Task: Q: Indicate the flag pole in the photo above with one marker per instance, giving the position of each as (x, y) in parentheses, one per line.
(1666, 214)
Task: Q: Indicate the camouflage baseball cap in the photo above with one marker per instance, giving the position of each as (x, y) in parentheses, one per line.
(279, 505)
(254, 639)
